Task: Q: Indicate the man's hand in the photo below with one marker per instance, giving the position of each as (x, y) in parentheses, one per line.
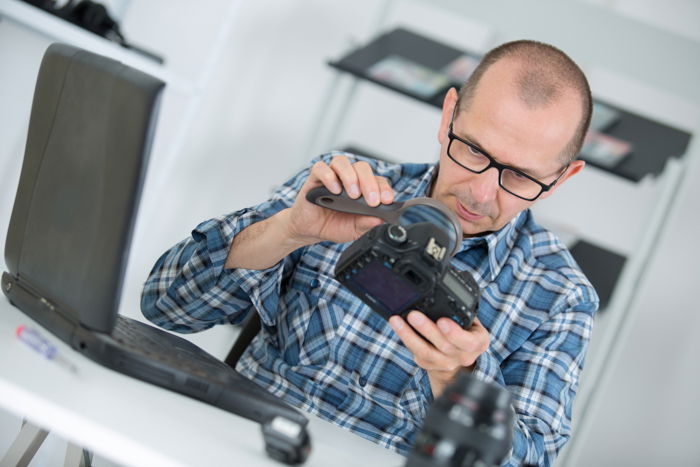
(310, 224)
(265, 243)
(442, 348)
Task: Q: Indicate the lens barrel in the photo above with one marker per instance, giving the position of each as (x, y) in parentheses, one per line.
(470, 424)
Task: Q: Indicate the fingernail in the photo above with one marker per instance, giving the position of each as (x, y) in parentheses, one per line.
(354, 191)
(416, 319)
(395, 323)
(372, 198)
(386, 196)
(336, 188)
(444, 326)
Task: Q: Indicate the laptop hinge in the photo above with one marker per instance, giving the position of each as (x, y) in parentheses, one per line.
(43, 311)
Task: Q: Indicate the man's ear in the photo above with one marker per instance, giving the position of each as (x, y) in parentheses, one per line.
(448, 106)
(574, 168)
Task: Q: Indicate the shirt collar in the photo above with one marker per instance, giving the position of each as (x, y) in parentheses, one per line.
(425, 182)
(498, 244)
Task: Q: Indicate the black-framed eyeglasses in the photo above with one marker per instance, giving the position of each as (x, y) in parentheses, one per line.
(516, 182)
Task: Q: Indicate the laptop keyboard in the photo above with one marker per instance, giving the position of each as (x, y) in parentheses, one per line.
(171, 350)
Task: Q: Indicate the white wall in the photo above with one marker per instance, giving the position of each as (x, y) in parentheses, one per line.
(254, 117)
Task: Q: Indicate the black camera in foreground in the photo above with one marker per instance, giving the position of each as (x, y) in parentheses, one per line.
(395, 269)
(469, 425)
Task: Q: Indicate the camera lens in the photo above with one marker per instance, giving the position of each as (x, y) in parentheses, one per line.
(469, 425)
(396, 234)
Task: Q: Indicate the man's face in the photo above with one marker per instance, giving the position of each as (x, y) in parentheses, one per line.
(500, 123)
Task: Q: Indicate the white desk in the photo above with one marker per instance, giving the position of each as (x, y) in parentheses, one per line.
(136, 423)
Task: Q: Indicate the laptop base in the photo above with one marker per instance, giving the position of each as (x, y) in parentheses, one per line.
(158, 357)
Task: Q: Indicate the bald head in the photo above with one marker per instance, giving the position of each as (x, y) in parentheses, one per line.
(543, 75)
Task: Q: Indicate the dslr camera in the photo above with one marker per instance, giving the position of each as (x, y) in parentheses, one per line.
(404, 264)
(394, 269)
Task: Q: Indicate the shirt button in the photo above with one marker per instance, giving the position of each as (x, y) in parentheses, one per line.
(314, 283)
(363, 381)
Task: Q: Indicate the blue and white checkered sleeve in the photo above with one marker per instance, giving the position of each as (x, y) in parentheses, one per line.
(542, 377)
(188, 289)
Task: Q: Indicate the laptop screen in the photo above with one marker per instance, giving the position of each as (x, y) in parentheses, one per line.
(87, 147)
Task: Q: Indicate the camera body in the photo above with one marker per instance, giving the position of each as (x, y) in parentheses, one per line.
(395, 269)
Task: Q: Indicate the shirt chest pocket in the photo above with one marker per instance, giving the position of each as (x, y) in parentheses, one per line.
(307, 331)
(324, 325)
(371, 353)
(378, 379)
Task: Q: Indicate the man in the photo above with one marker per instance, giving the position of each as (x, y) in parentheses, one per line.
(509, 138)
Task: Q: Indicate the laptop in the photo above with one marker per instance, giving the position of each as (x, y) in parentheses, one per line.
(89, 138)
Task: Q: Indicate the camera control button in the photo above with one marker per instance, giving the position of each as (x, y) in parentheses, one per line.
(397, 234)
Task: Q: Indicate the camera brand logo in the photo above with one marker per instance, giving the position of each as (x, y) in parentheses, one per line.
(435, 250)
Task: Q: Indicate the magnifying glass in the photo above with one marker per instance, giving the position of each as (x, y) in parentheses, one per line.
(404, 213)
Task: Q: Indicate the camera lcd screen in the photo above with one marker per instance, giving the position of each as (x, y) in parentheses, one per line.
(458, 290)
(390, 290)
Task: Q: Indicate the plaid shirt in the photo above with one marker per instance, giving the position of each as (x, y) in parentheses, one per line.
(321, 349)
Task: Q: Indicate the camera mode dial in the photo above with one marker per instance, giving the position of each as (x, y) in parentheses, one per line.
(397, 234)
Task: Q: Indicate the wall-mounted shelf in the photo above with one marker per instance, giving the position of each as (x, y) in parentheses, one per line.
(60, 30)
(653, 143)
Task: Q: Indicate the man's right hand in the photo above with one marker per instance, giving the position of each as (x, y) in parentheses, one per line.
(309, 223)
(265, 243)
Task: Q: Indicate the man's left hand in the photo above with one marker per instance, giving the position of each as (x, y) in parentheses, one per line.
(444, 348)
